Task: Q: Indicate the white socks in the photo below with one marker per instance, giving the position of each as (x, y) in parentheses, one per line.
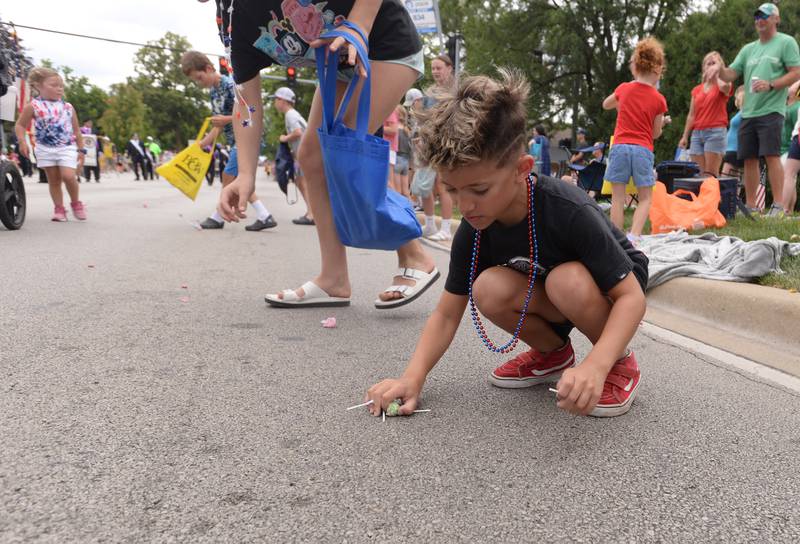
(262, 212)
(217, 217)
(445, 226)
(430, 221)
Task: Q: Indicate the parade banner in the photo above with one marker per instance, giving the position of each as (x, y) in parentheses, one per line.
(90, 144)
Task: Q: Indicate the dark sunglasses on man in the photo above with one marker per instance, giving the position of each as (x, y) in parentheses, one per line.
(761, 16)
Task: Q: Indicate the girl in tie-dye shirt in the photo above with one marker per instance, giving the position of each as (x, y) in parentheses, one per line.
(59, 144)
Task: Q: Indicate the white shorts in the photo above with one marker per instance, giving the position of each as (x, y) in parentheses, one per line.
(66, 156)
(392, 157)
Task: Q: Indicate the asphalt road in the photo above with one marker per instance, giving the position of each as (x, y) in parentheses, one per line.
(134, 410)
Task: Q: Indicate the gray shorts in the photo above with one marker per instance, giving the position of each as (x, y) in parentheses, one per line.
(424, 178)
(709, 140)
(401, 166)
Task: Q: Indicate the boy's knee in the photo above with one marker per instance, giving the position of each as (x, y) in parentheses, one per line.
(570, 282)
(488, 294)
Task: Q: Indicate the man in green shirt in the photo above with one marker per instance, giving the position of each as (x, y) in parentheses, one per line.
(769, 66)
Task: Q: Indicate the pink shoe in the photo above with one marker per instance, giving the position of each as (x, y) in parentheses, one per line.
(59, 214)
(78, 210)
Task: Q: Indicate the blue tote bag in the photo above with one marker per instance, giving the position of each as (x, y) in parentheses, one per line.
(366, 213)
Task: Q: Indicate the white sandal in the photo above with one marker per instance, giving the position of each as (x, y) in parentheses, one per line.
(410, 292)
(314, 297)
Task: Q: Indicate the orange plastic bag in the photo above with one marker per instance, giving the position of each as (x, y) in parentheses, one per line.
(668, 212)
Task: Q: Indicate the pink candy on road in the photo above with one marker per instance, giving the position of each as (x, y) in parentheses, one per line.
(329, 323)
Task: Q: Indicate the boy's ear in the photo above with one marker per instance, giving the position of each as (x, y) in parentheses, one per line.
(525, 165)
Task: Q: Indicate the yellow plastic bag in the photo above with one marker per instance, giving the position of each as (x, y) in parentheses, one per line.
(188, 168)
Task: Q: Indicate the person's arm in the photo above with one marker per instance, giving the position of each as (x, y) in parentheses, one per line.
(23, 121)
(76, 129)
(727, 74)
(610, 102)
(209, 139)
(627, 310)
(390, 127)
(233, 199)
(436, 337)
(296, 134)
(787, 79)
(363, 15)
(221, 120)
(687, 129)
(658, 125)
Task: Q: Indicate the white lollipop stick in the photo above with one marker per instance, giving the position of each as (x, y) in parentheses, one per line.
(360, 405)
(553, 390)
(419, 411)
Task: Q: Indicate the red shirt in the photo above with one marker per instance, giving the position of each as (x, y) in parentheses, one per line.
(639, 104)
(710, 108)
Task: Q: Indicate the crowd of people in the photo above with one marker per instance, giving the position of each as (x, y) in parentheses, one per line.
(465, 142)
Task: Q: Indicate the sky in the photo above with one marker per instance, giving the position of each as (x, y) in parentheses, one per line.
(138, 21)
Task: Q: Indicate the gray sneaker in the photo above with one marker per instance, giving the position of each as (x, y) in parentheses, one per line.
(211, 224)
(268, 223)
(775, 211)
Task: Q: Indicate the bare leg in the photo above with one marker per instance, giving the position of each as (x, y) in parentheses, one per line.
(750, 181)
(618, 205)
(775, 172)
(700, 160)
(71, 182)
(54, 184)
(402, 180)
(713, 161)
(642, 211)
(790, 171)
(303, 187)
(389, 84)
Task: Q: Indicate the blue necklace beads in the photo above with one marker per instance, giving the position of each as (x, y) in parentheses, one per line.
(534, 259)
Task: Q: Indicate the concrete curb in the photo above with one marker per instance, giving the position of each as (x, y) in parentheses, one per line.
(756, 322)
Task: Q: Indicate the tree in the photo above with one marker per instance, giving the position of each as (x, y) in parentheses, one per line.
(89, 101)
(175, 106)
(125, 115)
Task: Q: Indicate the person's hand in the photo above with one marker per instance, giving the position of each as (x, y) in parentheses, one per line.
(81, 158)
(666, 120)
(24, 151)
(683, 142)
(282, 138)
(760, 86)
(335, 45)
(579, 389)
(206, 142)
(382, 394)
(233, 199)
(219, 121)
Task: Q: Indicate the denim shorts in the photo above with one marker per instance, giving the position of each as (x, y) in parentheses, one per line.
(626, 161)
(416, 62)
(401, 166)
(709, 140)
(232, 166)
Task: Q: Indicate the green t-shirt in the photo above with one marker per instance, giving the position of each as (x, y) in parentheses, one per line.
(155, 149)
(767, 61)
(789, 121)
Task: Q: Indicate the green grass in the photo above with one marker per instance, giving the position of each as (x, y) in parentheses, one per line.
(761, 228)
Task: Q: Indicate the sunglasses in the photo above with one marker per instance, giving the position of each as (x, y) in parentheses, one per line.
(761, 16)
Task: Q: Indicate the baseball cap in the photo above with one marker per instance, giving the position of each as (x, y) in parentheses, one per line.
(284, 93)
(768, 9)
(412, 96)
(581, 131)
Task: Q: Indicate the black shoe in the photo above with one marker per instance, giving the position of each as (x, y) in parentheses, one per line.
(267, 223)
(211, 224)
(303, 220)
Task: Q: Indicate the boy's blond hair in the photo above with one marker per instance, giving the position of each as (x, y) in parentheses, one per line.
(194, 61)
(483, 119)
(37, 76)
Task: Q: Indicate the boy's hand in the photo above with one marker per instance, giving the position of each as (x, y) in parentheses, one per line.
(382, 394)
(282, 138)
(579, 389)
(683, 142)
(206, 142)
(23, 150)
(219, 121)
(233, 199)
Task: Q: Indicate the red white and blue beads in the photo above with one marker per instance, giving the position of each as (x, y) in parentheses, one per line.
(534, 260)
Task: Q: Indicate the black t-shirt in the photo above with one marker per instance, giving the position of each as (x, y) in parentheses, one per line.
(569, 227)
(267, 32)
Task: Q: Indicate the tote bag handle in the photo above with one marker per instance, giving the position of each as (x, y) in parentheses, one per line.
(327, 68)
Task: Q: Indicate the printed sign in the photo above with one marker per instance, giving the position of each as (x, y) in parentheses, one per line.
(90, 144)
(423, 13)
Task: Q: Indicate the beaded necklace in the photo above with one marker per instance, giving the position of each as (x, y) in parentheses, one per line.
(534, 260)
(225, 36)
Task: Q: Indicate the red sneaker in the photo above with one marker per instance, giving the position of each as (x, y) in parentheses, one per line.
(533, 368)
(619, 389)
